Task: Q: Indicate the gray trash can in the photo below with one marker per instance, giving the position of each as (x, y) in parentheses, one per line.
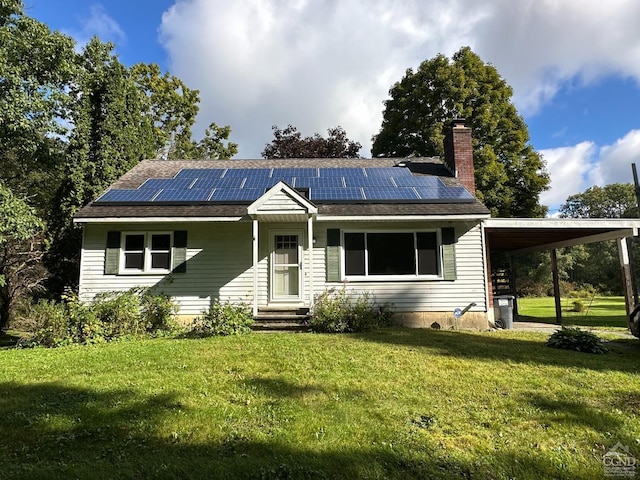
(503, 310)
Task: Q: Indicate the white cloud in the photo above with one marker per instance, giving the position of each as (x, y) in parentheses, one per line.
(566, 166)
(98, 23)
(576, 168)
(614, 162)
(318, 64)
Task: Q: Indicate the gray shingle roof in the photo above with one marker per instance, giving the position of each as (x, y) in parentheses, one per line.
(167, 169)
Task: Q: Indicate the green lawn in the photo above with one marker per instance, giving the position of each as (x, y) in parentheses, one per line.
(390, 404)
(599, 311)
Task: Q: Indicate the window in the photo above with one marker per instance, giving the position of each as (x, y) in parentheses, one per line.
(160, 251)
(146, 252)
(386, 254)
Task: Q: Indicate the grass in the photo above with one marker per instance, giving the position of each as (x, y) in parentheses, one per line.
(395, 404)
(599, 311)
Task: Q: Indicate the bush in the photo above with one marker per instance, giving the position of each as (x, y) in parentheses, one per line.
(110, 316)
(577, 306)
(340, 312)
(159, 311)
(224, 318)
(120, 313)
(571, 338)
(51, 323)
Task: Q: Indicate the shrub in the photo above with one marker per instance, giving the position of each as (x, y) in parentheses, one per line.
(85, 326)
(224, 318)
(571, 338)
(109, 316)
(340, 312)
(119, 313)
(577, 306)
(51, 324)
(159, 311)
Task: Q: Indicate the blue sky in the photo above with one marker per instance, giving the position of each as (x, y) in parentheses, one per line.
(574, 66)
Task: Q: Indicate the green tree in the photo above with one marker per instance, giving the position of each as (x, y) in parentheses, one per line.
(212, 146)
(36, 67)
(288, 143)
(600, 267)
(21, 249)
(111, 134)
(509, 173)
(172, 108)
(616, 200)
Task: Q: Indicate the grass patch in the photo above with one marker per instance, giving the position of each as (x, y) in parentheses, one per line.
(393, 404)
(599, 312)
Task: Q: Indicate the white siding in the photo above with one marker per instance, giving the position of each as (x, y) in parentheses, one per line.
(416, 295)
(219, 265)
(280, 201)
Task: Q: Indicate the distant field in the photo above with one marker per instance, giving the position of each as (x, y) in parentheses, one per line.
(599, 311)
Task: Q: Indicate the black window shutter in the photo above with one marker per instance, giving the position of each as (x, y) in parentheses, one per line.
(180, 251)
(333, 255)
(449, 253)
(112, 253)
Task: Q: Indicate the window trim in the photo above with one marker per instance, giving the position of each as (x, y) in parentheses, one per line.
(392, 278)
(147, 252)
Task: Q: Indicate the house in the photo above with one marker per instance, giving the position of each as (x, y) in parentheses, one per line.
(277, 233)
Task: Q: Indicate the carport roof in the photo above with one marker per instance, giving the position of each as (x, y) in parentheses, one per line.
(535, 234)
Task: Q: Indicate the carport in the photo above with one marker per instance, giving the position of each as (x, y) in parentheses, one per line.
(521, 235)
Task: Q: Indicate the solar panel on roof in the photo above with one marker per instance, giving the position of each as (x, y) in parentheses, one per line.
(341, 172)
(200, 173)
(456, 193)
(330, 193)
(218, 182)
(369, 182)
(257, 182)
(192, 195)
(171, 183)
(248, 172)
(236, 194)
(418, 181)
(444, 193)
(294, 172)
(393, 193)
(306, 182)
(124, 196)
(387, 172)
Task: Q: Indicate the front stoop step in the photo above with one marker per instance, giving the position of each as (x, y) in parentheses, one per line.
(282, 319)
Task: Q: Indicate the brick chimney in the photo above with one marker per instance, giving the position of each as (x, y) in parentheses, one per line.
(458, 153)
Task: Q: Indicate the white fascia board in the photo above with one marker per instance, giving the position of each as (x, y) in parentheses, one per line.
(398, 218)
(547, 223)
(156, 219)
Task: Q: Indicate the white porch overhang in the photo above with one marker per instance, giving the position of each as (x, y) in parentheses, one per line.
(281, 203)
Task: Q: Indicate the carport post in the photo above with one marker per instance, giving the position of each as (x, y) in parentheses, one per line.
(556, 286)
(625, 266)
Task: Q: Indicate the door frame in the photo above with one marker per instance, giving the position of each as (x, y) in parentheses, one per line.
(301, 265)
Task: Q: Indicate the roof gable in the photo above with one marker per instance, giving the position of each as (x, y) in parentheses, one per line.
(281, 199)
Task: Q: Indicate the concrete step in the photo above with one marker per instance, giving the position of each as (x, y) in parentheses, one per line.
(279, 325)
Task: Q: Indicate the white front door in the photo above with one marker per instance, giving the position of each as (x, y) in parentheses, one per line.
(286, 266)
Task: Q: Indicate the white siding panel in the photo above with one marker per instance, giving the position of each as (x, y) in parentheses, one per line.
(280, 201)
(218, 266)
(418, 295)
